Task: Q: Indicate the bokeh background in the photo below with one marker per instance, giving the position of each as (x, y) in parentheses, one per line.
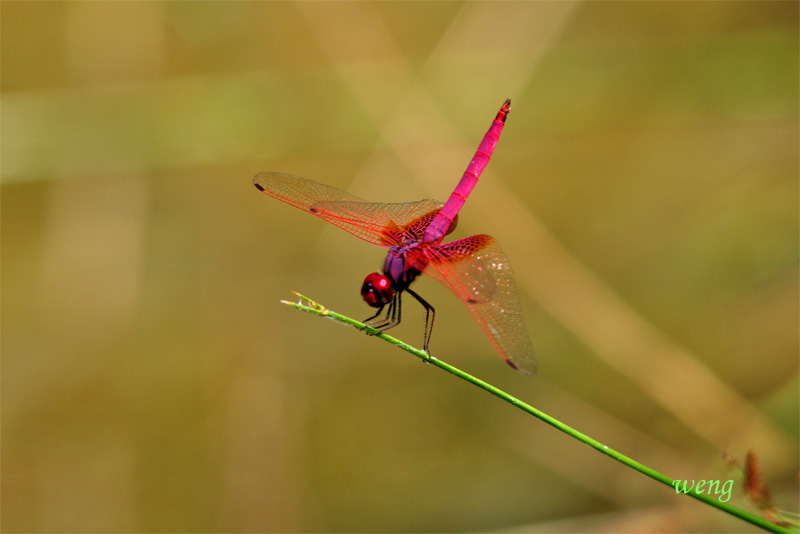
(645, 189)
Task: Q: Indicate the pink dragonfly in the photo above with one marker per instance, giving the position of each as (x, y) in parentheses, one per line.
(474, 268)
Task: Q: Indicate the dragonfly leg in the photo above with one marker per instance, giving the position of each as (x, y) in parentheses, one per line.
(430, 315)
(368, 320)
(392, 317)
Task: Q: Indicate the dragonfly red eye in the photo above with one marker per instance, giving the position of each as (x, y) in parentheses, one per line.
(377, 290)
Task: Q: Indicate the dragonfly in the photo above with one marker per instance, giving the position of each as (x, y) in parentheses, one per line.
(474, 268)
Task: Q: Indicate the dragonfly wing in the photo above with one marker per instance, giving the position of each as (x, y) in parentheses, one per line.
(479, 273)
(378, 223)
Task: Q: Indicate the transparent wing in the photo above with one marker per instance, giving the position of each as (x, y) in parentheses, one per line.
(479, 273)
(378, 223)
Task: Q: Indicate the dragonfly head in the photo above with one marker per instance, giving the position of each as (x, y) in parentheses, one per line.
(377, 290)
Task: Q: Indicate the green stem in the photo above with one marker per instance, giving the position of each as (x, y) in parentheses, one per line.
(310, 306)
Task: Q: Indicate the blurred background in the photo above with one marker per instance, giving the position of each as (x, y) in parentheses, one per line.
(645, 190)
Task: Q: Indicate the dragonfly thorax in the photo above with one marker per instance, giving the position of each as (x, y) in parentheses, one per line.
(404, 263)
